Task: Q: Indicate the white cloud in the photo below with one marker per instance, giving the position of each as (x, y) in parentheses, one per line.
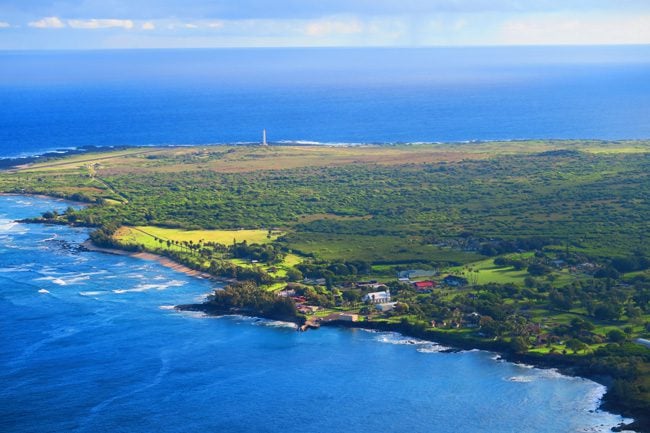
(47, 23)
(583, 29)
(190, 26)
(338, 26)
(148, 26)
(4, 25)
(215, 24)
(100, 24)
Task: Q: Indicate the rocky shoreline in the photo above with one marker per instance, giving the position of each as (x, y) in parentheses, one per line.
(567, 367)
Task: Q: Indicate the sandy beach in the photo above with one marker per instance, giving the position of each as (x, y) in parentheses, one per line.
(155, 257)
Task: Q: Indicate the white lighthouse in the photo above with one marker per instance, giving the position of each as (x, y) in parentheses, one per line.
(264, 143)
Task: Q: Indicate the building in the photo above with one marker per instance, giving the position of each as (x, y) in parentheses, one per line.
(377, 297)
(387, 306)
(454, 281)
(264, 143)
(370, 285)
(424, 286)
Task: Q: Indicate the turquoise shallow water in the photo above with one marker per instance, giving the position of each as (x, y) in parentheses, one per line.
(89, 344)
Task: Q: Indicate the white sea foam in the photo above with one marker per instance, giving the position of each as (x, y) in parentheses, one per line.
(523, 379)
(202, 297)
(147, 287)
(276, 323)
(63, 281)
(43, 291)
(166, 307)
(521, 365)
(432, 348)
(7, 225)
(196, 314)
(552, 373)
(93, 293)
(319, 143)
(423, 346)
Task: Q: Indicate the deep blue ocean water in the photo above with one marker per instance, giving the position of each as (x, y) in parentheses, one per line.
(90, 344)
(56, 99)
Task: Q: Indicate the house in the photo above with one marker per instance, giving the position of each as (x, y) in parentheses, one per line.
(385, 306)
(314, 281)
(307, 309)
(377, 297)
(472, 320)
(424, 286)
(454, 281)
(370, 285)
(287, 293)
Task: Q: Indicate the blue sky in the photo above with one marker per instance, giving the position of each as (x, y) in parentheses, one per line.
(96, 24)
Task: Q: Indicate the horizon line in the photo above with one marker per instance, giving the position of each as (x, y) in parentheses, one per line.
(318, 47)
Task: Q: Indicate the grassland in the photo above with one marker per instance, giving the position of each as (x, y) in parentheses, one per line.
(148, 235)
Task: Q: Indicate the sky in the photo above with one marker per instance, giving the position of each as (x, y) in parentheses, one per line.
(106, 24)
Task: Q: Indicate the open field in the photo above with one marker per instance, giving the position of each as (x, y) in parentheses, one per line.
(147, 234)
(373, 249)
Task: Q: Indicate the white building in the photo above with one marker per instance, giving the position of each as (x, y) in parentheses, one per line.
(377, 297)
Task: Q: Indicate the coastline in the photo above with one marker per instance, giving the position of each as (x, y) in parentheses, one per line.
(165, 261)
(639, 424)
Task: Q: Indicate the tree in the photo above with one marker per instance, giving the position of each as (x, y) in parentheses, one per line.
(538, 269)
(575, 345)
(294, 275)
(616, 336)
(519, 345)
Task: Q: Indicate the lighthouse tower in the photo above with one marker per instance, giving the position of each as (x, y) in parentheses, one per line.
(264, 143)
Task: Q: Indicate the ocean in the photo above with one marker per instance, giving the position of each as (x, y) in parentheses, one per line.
(69, 99)
(90, 344)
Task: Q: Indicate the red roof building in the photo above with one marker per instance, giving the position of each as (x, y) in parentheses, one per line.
(424, 285)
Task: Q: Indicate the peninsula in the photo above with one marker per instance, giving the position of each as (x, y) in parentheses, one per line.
(535, 249)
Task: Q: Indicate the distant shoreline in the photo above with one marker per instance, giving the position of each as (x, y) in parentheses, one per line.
(15, 162)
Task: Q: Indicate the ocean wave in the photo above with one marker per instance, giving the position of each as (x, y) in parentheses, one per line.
(275, 323)
(43, 291)
(422, 346)
(62, 281)
(197, 314)
(522, 379)
(147, 287)
(321, 143)
(7, 225)
(54, 236)
(19, 268)
(553, 373)
(167, 307)
(522, 365)
(93, 293)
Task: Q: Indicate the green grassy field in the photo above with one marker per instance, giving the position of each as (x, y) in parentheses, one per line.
(146, 234)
